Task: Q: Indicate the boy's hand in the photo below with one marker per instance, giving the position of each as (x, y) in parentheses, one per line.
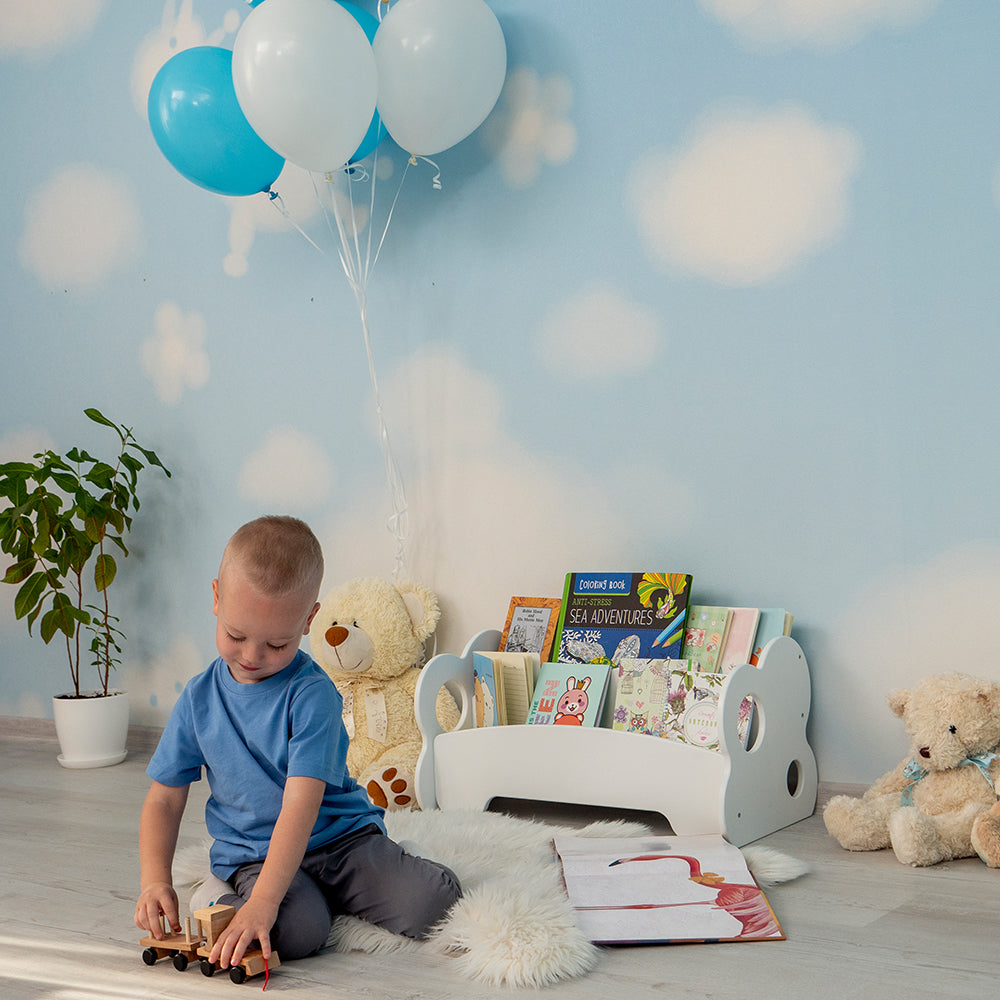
(253, 922)
(156, 899)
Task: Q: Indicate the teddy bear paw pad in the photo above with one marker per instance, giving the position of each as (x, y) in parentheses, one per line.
(390, 790)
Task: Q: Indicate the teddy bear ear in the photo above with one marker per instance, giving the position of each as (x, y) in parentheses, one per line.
(422, 607)
(897, 702)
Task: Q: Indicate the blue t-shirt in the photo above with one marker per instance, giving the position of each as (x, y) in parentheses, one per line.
(250, 738)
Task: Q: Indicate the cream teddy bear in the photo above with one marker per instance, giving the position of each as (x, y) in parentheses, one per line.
(927, 806)
(368, 636)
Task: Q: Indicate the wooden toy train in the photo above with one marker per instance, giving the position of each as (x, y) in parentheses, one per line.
(188, 947)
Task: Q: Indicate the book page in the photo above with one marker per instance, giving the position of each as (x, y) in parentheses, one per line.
(663, 889)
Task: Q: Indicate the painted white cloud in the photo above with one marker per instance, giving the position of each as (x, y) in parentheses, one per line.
(750, 195)
(489, 515)
(153, 686)
(598, 332)
(289, 471)
(179, 29)
(80, 225)
(531, 127)
(174, 358)
(818, 23)
(897, 630)
(296, 204)
(43, 26)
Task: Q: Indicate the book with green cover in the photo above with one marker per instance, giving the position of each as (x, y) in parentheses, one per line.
(705, 636)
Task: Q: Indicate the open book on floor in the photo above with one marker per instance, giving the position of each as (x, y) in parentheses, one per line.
(663, 890)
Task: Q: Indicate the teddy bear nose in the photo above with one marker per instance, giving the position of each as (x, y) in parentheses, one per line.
(925, 752)
(336, 634)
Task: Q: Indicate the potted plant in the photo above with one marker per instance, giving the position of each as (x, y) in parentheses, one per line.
(66, 519)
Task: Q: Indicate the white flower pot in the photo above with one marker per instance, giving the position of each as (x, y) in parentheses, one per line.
(92, 729)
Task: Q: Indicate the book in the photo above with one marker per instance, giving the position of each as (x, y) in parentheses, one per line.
(740, 640)
(531, 625)
(484, 692)
(510, 681)
(661, 890)
(669, 699)
(773, 622)
(569, 694)
(607, 616)
(642, 694)
(705, 636)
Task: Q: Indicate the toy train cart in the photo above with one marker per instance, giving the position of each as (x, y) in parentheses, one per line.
(188, 947)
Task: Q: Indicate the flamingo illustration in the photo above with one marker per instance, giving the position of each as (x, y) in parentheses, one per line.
(744, 902)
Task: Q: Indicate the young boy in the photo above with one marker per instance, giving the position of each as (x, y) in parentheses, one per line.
(297, 837)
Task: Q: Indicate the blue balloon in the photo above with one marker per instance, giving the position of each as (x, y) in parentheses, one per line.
(376, 131)
(200, 128)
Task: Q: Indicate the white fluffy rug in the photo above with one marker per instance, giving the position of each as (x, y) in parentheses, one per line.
(513, 926)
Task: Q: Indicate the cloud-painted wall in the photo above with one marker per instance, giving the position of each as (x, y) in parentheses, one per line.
(713, 289)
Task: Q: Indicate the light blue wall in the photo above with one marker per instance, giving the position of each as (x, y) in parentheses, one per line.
(707, 292)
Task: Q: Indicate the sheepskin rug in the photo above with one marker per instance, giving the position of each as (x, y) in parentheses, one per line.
(513, 926)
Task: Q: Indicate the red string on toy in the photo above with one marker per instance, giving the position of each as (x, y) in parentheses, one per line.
(267, 976)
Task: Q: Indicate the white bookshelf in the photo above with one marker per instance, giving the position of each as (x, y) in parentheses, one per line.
(744, 794)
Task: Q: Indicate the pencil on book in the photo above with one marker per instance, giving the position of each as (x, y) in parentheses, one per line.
(668, 635)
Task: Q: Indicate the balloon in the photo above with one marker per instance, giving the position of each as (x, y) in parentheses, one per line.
(441, 67)
(199, 127)
(376, 132)
(305, 77)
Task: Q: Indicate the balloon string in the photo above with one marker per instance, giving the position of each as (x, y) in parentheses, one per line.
(357, 267)
(436, 179)
(280, 206)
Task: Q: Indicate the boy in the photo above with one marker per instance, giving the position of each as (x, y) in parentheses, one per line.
(299, 839)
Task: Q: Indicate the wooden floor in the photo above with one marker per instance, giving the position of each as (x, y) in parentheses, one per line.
(858, 925)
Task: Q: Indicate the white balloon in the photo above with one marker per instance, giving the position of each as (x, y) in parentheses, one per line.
(305, 78)
(441, 67)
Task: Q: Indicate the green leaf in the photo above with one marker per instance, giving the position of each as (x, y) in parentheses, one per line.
(101, 475)
(30, 594)
(132, 464)
(150, 457)
(99, 418)
(66, 481)
(20, 571)
(105, 570)
(64, 617)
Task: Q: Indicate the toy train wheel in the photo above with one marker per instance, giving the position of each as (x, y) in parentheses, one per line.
(238, 974)
(149, 956)
(180, 961)
(207, 968)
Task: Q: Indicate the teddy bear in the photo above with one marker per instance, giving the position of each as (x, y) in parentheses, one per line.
(927, 807)
(986, 835)
(368, 636)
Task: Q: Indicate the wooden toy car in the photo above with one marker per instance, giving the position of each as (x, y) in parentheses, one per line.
(188, 947)
(182, 948)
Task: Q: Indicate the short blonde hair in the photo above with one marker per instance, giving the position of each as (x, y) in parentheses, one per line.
(277, 554)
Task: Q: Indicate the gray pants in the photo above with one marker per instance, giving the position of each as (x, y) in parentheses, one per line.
(365, 875)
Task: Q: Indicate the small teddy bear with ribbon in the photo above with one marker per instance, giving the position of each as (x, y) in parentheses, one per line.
(368, 635)
(939, 803)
